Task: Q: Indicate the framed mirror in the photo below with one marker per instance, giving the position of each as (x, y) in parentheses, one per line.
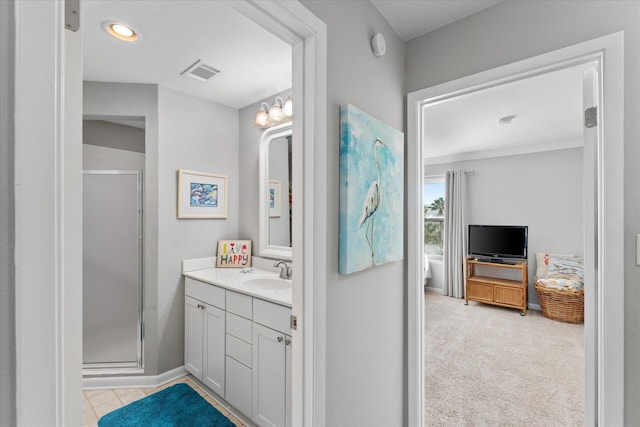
(275, 212)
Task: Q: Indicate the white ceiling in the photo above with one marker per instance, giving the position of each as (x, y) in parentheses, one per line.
(413, 18)
(256, 64)
(174, 34)
(548, 110)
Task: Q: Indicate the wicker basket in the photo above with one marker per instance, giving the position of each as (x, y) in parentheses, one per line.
(561, 304)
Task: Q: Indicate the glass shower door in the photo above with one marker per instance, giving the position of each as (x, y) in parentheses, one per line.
(112, 269)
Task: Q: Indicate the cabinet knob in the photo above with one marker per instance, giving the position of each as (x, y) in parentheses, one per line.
(287, 342)
(280, 339)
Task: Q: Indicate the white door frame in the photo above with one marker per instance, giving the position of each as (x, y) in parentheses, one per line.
(49, 240)
(604, 315)
(307, 35)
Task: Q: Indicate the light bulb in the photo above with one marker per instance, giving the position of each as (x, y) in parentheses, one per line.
(275, 112)
(287, 110)
(261, 117)
(121, 31)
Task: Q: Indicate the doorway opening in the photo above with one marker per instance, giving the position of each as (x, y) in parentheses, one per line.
(603, 249)
(53, 289)
(526, 175)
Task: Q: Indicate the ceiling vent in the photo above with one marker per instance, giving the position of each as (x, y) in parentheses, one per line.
(201, 71)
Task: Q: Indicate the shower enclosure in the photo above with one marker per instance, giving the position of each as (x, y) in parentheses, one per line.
(112, 271)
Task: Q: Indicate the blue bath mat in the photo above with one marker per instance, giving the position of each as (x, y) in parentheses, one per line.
(175, 406)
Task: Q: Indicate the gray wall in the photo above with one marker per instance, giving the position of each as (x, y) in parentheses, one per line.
(181, 132)
(198, 135)
(540, 190)
(107, 145)
(365, 310)
(515, 30)
(103, 158)
(113, 135)
(7, 279)
(138, 100)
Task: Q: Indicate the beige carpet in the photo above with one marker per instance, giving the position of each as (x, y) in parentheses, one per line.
(488, 366)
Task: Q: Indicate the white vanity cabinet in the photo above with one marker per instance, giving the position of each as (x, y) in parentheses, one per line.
(204, 333)
(239, 346)
(271, 364)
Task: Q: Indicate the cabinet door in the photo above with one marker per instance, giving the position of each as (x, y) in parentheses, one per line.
(479, 291)
(269, 377)
(214, 332)
(505, 295)
(193, 336)
(287, 370)
(238, 389)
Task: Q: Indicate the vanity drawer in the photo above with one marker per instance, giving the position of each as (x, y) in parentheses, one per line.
(239, 327)
(204, 292)
(273, 316)
(239, 350)
(239, 304)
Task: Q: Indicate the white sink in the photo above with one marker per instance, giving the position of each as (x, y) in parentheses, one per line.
(267, 283)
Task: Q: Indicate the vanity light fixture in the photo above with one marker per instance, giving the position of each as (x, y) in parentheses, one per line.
(279, 112)
(121, 31)
(275, 112)
(262, 118)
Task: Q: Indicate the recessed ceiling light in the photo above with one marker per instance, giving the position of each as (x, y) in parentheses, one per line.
(121, 31)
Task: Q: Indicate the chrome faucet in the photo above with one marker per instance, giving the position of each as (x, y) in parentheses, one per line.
(285, 270)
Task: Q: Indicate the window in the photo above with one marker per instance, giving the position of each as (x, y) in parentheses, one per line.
(434, 192)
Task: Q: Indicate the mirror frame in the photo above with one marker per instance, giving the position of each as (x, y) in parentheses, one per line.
(267, 250)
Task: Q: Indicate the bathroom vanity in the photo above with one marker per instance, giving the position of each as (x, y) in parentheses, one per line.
(238, 338)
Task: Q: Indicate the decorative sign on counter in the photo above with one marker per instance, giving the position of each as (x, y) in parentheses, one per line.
(234, 254)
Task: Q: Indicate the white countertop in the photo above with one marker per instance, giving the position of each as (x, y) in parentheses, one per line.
(234, 280)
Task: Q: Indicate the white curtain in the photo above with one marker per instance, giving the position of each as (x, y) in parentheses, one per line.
(455, 241)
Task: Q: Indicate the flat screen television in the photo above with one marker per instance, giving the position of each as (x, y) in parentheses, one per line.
(498, 242)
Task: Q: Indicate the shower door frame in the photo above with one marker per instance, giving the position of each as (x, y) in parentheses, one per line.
(106, 368)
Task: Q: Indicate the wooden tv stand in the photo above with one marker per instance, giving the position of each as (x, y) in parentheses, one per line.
(492, 290)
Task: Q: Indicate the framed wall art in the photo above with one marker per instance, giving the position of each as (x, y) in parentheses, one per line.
(201, 195)
(371, 192)
(274, 198)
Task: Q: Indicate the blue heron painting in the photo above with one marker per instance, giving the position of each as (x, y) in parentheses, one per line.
(371, 191)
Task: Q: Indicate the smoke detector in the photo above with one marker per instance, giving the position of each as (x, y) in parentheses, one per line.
(201, 71)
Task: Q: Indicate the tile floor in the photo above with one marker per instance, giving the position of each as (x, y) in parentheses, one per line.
(96, 403)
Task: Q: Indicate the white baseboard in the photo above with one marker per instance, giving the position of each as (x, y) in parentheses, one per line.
(133, 381)
(534, 307)
(433, 290)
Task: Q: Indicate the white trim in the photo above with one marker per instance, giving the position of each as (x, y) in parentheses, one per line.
(433, 290)
(266, 249)
(534, 307)
(433, 179)
(133, 381)
(604, 376)
(39, 297)
(415, 267)
(307, 34)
